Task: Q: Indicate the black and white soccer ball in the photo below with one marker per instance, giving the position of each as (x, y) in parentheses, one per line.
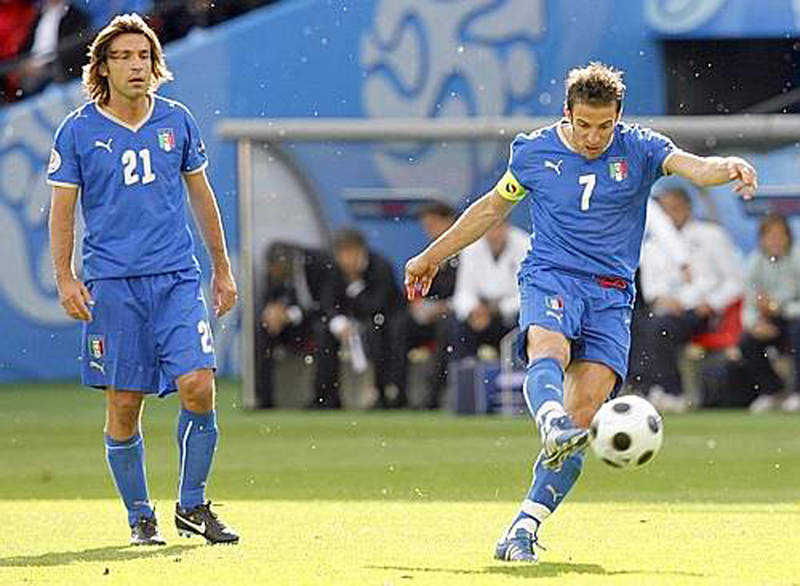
(626, 432)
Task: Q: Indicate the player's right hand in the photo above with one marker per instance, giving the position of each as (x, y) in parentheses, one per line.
(419, 275)
(75, 299)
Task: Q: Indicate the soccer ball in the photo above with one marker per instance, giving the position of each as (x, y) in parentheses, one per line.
(626, 432)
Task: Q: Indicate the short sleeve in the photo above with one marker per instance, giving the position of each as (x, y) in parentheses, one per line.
(64, 168)
(194, 151)
(655, 149)
(510, 186)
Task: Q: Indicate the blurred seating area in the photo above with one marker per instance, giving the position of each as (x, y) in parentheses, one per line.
(714, 329)
(45, 41)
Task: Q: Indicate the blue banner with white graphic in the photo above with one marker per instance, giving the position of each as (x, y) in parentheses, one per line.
(341, 58)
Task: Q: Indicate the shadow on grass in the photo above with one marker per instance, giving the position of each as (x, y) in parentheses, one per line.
(540, 570)
(113, 553)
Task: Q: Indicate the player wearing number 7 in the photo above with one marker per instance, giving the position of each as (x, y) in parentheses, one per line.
(127, 154)
(588, 178)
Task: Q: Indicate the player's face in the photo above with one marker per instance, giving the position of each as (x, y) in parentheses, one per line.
(129, 66)
(592, 127)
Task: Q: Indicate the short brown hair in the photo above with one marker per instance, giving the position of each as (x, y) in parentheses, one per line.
(775, 219)
(435, 208)
(348, 238)
(595, 85)
(96, 85)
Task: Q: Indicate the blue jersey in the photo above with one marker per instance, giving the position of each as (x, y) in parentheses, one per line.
(131, 189)
(588, 215)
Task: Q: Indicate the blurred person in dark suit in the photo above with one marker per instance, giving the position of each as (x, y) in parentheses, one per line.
(289, 309)
(359, 305)
(426, 320)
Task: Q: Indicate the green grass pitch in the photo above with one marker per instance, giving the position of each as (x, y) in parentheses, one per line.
(394, 499)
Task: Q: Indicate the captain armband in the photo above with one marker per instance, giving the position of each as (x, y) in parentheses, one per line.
(510, 188)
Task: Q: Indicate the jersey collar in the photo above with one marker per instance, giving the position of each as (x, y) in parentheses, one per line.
(124, 124)
(567, 145)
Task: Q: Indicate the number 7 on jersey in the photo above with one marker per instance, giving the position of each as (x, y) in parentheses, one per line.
(588, 182)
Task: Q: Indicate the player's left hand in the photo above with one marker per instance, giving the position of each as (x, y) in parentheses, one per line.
(223, 289)
(745, 176)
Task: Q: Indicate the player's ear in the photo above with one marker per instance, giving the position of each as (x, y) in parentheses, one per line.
(567, 113)
(103, 70)
(619, 113)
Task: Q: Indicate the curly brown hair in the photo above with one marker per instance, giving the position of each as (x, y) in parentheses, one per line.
(596, 85)
(94, 83)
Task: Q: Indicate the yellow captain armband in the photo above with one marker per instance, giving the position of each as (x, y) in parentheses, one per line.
(510, 188)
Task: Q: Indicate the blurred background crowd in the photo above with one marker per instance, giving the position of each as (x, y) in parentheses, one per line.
(45, 41)
(711, 329)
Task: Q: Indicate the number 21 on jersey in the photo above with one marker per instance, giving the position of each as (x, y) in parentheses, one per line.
(588, 182)
(130, 165)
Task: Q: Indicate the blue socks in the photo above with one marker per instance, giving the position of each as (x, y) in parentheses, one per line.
(546, 492)
(544, 391)
(126, 461)
(197, 440)
(544, 395)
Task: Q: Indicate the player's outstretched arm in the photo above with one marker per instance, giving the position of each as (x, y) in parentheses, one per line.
(714, 171)
(73, 294)
(471, 225)
(204, 205)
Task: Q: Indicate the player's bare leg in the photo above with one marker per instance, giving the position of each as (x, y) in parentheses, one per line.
(125, 455)
(587, 385)
(197, 440)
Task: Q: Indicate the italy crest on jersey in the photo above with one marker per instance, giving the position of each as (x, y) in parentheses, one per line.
(166, 139)
(618, 169)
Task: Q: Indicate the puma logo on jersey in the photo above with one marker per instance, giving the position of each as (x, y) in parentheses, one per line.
(98, 366)
(554, 166)
(104, 145)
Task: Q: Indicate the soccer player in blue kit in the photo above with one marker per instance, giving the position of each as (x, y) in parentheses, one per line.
(126, 155)
(588, 178)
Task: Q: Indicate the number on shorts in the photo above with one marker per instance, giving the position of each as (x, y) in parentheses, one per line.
(206, 341)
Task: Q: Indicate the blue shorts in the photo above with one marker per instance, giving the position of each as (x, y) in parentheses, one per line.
(146, 332)
(595, 318)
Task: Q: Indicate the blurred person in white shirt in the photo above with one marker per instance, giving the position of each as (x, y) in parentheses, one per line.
(688, 290)
(486, 299)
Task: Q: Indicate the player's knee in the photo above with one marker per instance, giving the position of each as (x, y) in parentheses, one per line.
(196, 390)
(554, 351)
(123, 413)
(541, 343)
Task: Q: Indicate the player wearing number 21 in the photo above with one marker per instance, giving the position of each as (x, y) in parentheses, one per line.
(587, 178)
(126, 154)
